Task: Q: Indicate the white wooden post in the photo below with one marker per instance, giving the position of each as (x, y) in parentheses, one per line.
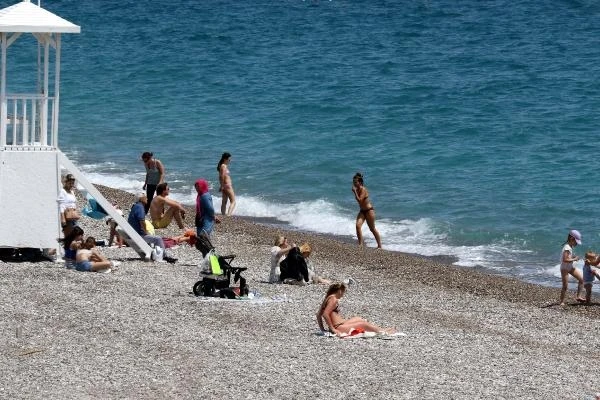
(3, 106)
(55, 107)
(44, 122)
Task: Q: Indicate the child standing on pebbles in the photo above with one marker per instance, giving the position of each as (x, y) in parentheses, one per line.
(589, 274)
(567, 268)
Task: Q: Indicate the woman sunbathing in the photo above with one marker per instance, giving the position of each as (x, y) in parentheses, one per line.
(329, 311)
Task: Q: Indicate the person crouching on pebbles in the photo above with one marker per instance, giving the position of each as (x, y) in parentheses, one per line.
(567, 267)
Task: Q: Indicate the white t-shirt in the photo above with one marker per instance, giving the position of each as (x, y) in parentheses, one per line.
(275, 271)
(566, 266)
(66, 200)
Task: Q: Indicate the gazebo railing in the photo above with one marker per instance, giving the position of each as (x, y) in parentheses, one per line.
(29, 121)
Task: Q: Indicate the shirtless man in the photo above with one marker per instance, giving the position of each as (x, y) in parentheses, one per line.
(160, 217)
(89, 259)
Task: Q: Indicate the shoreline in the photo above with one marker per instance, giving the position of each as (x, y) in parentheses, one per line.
(430, 271)
(139, 332)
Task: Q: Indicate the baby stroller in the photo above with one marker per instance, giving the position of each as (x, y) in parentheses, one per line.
(216, 276)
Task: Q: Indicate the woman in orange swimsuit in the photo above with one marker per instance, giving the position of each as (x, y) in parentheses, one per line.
(330, 312)
(227, 193)
(366, 212)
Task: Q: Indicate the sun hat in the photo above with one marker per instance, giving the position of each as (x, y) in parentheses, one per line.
(575, 235)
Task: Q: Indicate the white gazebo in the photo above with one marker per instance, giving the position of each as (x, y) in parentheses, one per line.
(30, 159)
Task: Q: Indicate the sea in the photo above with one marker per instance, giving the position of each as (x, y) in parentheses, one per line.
(475, 123)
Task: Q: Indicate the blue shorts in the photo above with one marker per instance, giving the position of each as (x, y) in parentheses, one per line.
(588, 276)
(84, 266)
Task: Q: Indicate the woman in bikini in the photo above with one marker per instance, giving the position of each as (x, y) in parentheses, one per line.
(226, 186)
(366, 212)
(329, 311)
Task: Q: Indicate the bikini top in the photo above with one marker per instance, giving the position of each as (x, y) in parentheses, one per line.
(337, 306)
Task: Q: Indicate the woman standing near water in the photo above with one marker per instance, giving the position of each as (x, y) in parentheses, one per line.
(366, 212)
(227, 193)
(155, 174)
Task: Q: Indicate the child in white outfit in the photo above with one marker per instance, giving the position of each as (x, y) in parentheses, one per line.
(567, 268)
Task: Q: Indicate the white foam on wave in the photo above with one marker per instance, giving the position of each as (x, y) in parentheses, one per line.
(131, 184)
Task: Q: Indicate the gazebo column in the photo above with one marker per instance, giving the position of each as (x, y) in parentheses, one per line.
(44, 119)
(55, 107)
(3, 106)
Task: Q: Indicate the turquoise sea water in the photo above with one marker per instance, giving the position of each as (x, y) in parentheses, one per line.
(475, 123)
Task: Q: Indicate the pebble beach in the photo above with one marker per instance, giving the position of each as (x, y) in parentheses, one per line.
(138, 332)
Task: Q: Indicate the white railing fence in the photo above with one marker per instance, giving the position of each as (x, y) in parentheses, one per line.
(29, 121)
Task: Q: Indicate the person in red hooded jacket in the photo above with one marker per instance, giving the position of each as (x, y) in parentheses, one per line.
(205, 211)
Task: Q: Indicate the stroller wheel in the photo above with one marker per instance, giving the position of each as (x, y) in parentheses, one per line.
(199, 288)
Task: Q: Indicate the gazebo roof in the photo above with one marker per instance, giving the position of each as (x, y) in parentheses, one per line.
(28, 17)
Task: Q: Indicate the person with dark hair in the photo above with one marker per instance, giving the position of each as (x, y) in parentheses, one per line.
(330, 312)
(67, 203)
(226, 189)
(205, 211)
(155, 174)
(89, 259)
(366, 210)
(161, 218)
(71, 243)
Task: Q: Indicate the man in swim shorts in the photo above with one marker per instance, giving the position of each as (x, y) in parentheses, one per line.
(161, 218)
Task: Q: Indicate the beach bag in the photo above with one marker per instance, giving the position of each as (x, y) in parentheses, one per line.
(72, 214)
(210, 264)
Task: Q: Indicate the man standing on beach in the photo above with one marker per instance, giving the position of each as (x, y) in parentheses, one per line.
(160, 217)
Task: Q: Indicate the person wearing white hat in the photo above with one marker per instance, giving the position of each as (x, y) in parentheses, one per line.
(567, 268)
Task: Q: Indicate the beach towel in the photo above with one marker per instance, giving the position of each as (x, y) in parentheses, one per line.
(361, 334)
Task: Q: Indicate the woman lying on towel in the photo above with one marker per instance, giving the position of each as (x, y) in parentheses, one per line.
(337, 325)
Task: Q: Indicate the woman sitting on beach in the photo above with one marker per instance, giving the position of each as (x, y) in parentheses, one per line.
(278, 253)
(71, 243)
(89, 259)
(305, 250)
(330, 311)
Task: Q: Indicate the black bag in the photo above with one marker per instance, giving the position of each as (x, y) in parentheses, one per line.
(294, 266)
